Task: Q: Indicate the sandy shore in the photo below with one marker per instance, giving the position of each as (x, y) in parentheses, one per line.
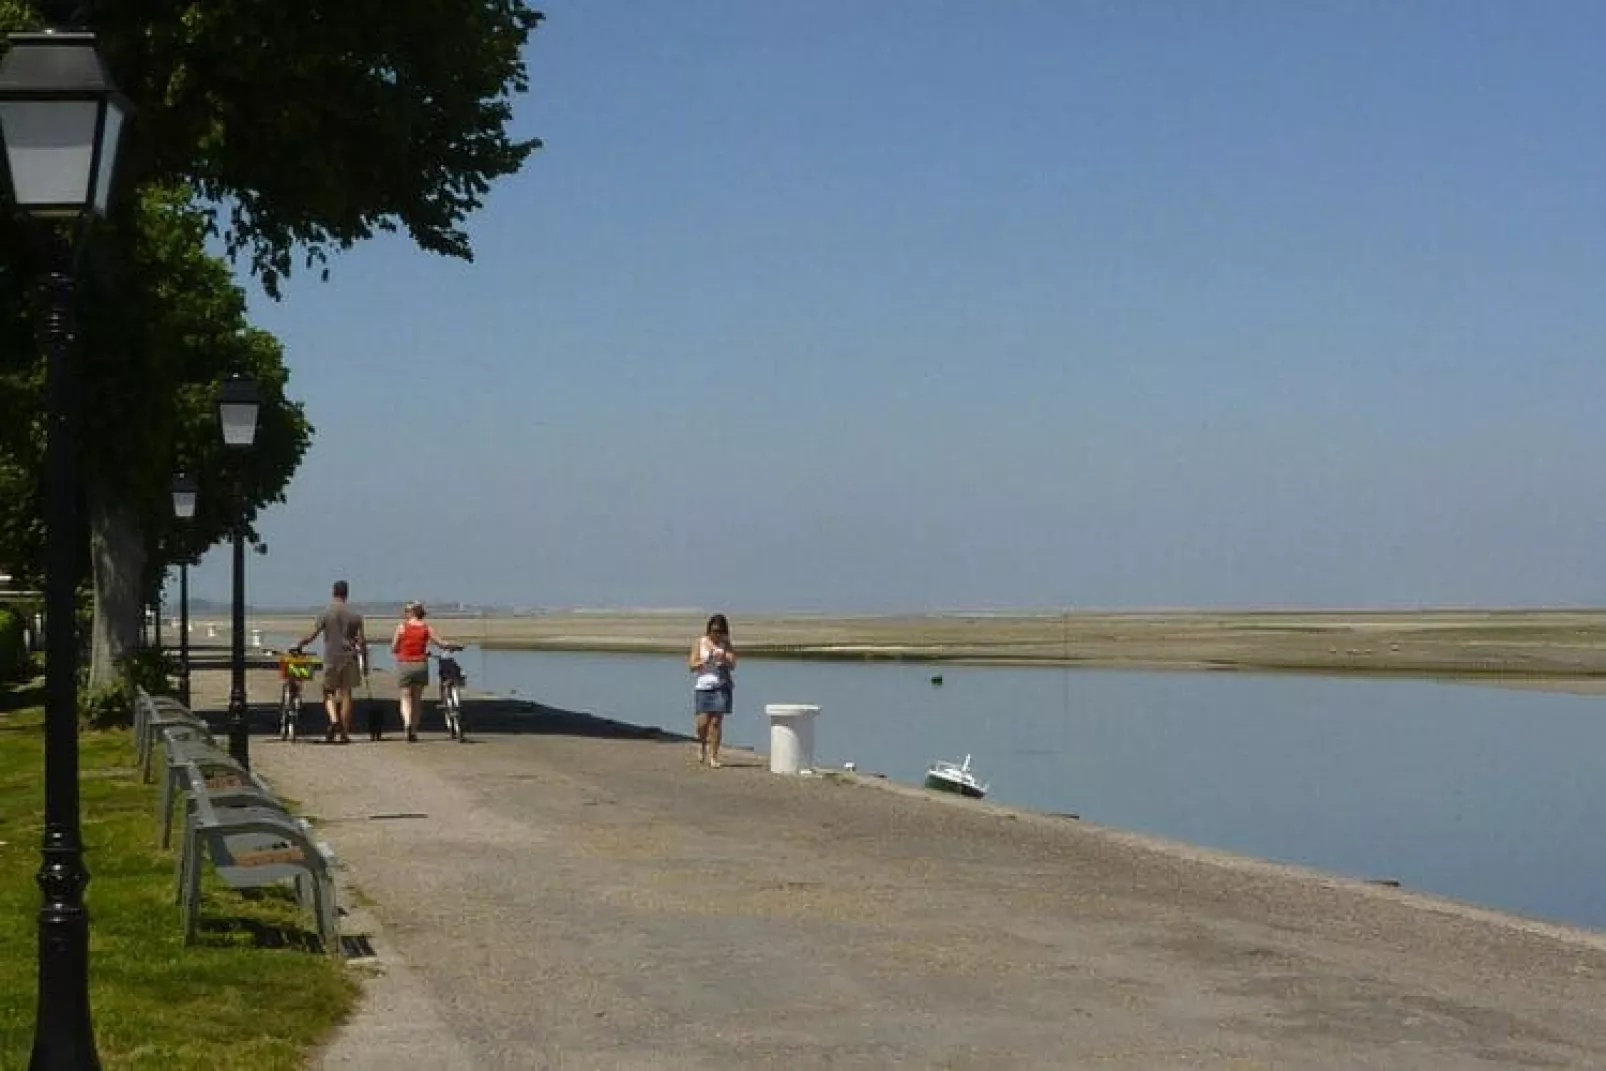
(1564, 649)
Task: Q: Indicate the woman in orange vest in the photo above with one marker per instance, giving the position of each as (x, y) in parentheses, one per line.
(410, 645)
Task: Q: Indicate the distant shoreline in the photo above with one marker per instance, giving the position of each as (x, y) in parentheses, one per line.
(1558, 649)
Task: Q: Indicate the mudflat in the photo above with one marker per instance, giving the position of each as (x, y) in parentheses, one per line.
(1560, 648)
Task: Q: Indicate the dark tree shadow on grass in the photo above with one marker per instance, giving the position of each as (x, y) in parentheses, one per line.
(232, 932)
(223, 931)
(18, 696)
(221, 926)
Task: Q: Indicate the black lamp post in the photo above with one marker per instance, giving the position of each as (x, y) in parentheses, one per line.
(237, 405)
(60, 117)
(185, 492)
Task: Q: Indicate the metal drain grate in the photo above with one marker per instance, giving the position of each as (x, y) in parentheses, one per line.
(357, 946)
(398, 814)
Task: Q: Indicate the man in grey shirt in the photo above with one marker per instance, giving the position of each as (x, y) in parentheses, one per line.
(345, 659)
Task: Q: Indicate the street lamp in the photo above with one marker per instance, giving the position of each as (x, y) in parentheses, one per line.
(237, 405)
(60, 118)
(185, 492)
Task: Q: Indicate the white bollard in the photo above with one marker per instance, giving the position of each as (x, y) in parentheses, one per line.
(256, 637)
(791, 737)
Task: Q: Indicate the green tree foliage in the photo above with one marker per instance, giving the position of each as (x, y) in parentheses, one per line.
(14, 661)
(306, 128)
(289, 131)
(22, 428)
(312, 126)
(167, 326)
(162, 323)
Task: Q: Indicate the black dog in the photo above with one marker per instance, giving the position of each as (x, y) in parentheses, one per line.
(374, 717)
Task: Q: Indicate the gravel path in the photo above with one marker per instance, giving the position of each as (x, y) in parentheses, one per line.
(567, 893)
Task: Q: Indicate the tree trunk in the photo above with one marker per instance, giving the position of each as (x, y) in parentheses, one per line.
(117, 553)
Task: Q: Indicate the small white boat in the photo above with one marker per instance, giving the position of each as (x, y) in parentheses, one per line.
(955, 778)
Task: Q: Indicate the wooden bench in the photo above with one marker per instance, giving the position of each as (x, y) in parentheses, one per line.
(253, 847)
(229, 783)
(183, 738)
(153, 716)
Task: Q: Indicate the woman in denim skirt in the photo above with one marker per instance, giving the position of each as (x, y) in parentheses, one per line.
(712, 659)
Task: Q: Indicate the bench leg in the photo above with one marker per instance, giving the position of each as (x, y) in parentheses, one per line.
(192, 897)
(142, 730)
(328, 915)
(165, 805)
(187, 849)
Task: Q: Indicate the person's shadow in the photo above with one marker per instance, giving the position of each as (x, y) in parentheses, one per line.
(490, 716)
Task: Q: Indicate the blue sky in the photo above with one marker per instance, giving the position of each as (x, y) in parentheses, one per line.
(914, 305)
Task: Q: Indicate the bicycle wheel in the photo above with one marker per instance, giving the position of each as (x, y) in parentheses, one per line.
(289, 712)
(454, 712)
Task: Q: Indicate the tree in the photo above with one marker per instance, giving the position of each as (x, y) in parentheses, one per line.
(292, 131)
(21, 420)
(307, 128)
(167, 326)
(162, 324)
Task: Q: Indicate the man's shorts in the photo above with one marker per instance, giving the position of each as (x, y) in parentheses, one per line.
(341, 677)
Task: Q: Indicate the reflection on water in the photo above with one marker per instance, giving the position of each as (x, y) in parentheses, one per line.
(1483, 794)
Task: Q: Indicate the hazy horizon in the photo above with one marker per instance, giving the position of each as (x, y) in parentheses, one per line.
(211, 607)
(848, 307)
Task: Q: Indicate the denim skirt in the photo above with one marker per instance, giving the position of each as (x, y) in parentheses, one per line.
(713, 700)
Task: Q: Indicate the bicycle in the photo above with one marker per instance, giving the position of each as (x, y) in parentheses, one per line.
(452, 679)
(294, 668)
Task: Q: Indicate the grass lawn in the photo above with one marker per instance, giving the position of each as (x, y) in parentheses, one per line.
(249, 994)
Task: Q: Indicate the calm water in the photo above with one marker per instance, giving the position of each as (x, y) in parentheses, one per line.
(1479, 793)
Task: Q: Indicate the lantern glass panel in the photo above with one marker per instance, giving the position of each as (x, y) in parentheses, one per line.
(50, 149)
(239, 420)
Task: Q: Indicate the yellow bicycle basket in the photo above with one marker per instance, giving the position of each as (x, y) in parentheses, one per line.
(297, 667)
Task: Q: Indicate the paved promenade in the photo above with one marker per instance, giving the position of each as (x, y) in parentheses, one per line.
(565, 893)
